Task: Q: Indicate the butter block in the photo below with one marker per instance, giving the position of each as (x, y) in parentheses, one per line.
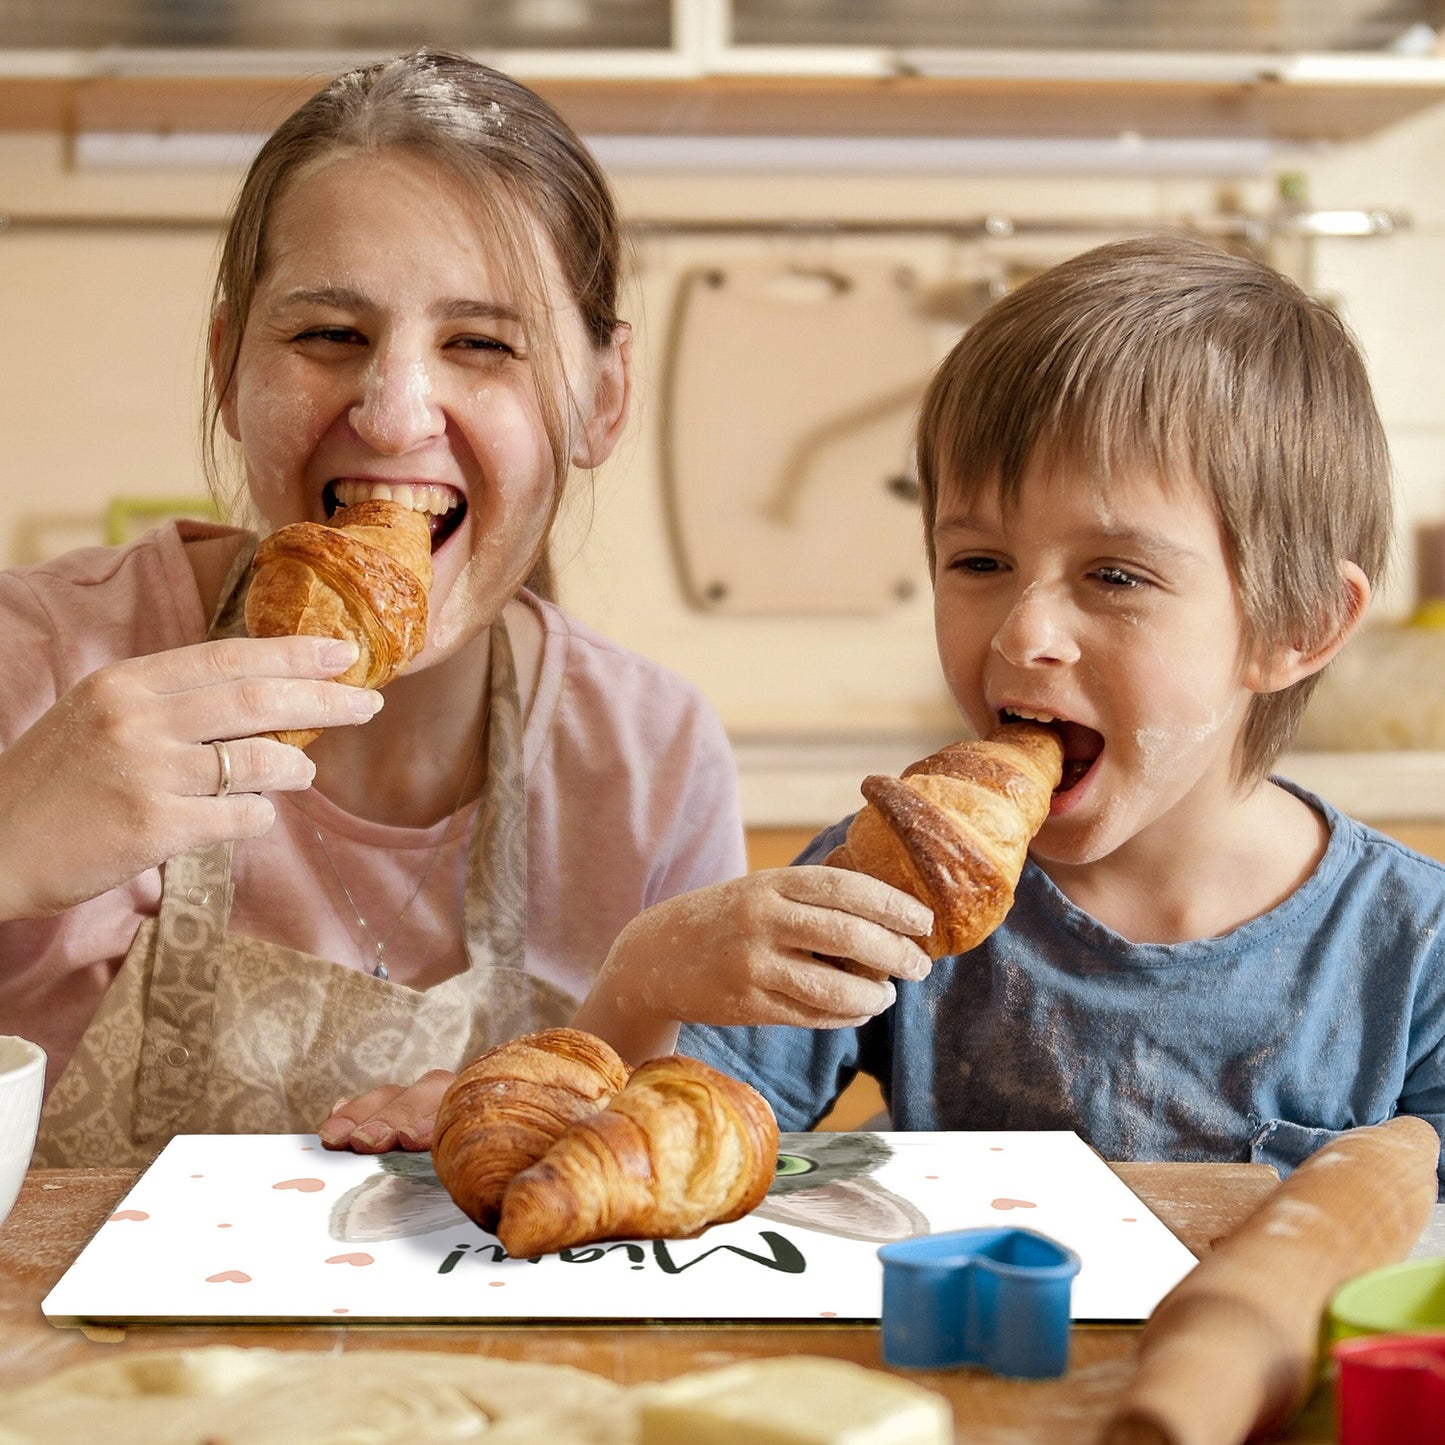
(793, 1400)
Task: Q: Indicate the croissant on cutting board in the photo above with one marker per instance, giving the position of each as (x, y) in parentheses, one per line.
(364, 575)
(510, 1105)
(547, 1142)
(955, 829)
(681, 1147)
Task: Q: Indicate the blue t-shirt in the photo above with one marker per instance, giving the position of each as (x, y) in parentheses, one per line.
(1326, 1013)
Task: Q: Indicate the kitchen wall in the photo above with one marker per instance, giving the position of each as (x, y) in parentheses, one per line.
(100, 347)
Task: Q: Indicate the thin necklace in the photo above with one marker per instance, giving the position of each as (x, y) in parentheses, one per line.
(379, 944)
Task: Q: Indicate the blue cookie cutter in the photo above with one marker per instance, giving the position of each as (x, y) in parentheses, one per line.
(998, 1298)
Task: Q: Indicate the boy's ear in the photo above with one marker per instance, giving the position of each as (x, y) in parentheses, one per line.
(228, 402)
(611, 396)
(1277, 668)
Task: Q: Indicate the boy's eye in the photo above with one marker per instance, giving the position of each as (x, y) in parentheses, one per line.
(975, 564)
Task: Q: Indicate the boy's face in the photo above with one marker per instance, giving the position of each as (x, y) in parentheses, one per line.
(1112, 609)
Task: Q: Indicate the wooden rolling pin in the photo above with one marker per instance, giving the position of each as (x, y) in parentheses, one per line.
(1230, 1353)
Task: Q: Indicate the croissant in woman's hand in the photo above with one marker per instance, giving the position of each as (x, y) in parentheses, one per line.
(682, 1147)
(510, 1105)
(955, 829)
(365, 575)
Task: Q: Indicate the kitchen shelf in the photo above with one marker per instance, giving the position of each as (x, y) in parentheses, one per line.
(1301, 105)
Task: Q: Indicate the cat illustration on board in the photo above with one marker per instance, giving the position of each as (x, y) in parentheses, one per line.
(824, 1182)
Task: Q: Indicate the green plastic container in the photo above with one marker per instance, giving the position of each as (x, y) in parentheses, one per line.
(1401, 1299)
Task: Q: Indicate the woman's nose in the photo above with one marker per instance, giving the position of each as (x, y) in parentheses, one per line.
(1036, 630)
(396, 410)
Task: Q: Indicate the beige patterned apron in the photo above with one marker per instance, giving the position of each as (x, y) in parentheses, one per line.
(208, 1032)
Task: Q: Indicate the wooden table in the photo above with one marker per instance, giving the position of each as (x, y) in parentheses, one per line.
(59, 1210)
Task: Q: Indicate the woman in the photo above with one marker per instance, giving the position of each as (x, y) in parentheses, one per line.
(210, 930)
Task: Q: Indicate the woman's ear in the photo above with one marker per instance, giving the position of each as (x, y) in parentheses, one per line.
(214, 349)
(611, 396)
(1277, 668)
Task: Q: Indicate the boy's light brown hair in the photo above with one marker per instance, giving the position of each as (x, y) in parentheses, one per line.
(1166, 357)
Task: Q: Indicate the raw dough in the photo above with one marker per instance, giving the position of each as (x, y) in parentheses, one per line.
(233, 1396)
(793, 1400)
(227, 1395)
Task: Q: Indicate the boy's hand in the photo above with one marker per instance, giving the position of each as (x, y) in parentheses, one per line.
(394, 1116)
(812, 946)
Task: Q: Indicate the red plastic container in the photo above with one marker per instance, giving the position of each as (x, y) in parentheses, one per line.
(1390, 1390)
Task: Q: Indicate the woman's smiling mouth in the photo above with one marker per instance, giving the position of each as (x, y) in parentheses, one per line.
(445, 506)
(1082, 745)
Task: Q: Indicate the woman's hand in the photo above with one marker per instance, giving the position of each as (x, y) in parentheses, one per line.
(394, 1116)
(812, 946)
(120, 774)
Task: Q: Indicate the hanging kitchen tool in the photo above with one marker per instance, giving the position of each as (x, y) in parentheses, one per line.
(789, 399)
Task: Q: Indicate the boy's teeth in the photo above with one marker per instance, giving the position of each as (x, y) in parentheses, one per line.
(422, 497)
(1027, 716)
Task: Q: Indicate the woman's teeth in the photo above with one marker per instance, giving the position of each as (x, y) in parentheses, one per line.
(1022, 714)
(418, 497)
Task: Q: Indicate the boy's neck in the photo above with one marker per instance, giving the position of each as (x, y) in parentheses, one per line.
(1201, 876)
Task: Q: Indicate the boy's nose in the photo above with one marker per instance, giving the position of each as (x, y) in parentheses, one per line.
(1036, 631)
(396, 410)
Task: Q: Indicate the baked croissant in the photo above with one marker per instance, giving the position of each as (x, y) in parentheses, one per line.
(507, 1108)
(681, 1147)
(955, 829)
(364, 575)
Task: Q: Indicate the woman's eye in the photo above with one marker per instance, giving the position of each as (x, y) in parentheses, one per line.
(1118, 577)
(485, 344)
(339, 335)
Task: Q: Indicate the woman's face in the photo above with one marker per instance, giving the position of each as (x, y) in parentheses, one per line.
(385, 356)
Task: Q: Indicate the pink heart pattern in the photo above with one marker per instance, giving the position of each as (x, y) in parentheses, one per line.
(356, 1259)
(1014, 1204)
(302, 1186)
(228, 1276)
(130, 1214)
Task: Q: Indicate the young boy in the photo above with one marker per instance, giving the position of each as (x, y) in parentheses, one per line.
(1156, 496)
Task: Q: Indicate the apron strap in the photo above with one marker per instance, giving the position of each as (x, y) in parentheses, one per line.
(496, 892)
(176, 1042)
(229, 618)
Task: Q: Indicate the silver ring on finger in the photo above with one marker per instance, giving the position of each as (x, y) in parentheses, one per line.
(223, 758)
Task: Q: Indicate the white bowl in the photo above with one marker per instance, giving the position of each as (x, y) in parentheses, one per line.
(22, 1083)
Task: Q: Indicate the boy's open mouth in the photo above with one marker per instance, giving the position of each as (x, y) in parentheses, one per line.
(1082, 745)
(444, 506)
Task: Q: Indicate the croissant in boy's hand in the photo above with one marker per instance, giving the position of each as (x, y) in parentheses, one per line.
(364, 575)
(955, 829)
(562, 1159)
